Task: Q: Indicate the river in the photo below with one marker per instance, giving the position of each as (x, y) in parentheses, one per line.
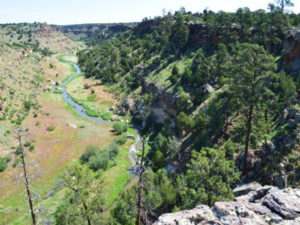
(80, 110)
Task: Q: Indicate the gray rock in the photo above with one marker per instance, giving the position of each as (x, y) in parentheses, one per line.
(209, 89)
(292, 123)
(281, 181)
(285, 203)
(297, 117)
(246, 188)
(271, 146)
(265, 205)
(285, 114)
(292, 112)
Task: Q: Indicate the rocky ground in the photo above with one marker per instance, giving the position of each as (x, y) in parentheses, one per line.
(254, 205)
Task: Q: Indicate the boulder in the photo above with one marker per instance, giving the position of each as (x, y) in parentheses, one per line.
(297, 117)
(285, 203)
(246, 188)
(209, 89)
(292, 123)
(114, 117)
(264, 205)
(292, 112)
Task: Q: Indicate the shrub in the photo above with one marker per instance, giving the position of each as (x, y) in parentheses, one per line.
(99, 161)
(51, 128)
(113, 150)
(31, 148)
(121, 140)
(90, 151)
(18, 150)
(229, 149)
(120, 128)
(159, 159)
(27, 144)
(17, 162)
(27, 105)
(3, 163)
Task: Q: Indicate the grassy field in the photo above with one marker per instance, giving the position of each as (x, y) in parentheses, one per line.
(91, 94)
(58, 147)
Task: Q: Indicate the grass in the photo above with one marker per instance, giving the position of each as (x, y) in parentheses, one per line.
(117, 177)
(58, 91)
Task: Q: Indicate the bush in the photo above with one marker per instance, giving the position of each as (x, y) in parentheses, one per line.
(159, 159)
(121, 140)
(120, 128)
(27, 144)
(90, 151)
(3, 163)
(31, 148)
(51, 128)
(17, 162)
(18, 150)
(113, 150)
(99, 161)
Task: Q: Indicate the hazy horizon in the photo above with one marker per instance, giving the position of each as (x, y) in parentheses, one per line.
(115, 11)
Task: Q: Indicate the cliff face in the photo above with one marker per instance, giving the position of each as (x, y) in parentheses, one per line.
(257, 206)
(291, 50)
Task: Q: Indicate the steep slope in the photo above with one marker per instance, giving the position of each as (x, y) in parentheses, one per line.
(93, 34)
(39, 36)
(189, 82)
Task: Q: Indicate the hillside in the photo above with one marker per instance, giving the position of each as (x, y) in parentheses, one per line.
(93, 34)
(32, 69)
(202, 87)
(166, 121)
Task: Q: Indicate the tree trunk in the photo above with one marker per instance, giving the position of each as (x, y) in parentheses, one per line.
(139, 203)
(26, 181)
(249, 130)
(86, 213)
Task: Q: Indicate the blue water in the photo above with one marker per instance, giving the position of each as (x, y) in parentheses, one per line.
(80, 110)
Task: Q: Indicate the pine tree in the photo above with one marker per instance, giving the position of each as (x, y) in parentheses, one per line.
(253, 76)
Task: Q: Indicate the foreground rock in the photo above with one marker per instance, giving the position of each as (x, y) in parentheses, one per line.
(262, 205)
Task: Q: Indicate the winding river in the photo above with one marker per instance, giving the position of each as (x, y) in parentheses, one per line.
(80, 110)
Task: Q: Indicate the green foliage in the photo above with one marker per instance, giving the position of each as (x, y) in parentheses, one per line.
(83, 200)
(207, 181)
(120, 128)
(16, 162)
(180, 33)
(159, 160)
(99, 159)
(50, 128)
(121, 139)
(3, 163)
(90, 151)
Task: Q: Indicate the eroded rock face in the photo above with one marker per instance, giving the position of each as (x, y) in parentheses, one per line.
(262, 205)
(291, 50)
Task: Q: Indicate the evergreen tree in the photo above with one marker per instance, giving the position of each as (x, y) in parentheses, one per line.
(83, 203)
(207, 180)
(180, 32)
(253, 75)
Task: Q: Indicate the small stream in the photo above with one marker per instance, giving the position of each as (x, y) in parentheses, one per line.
(80, 110)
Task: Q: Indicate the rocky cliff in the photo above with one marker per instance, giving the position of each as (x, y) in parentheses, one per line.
(254, 205)
(291, 50)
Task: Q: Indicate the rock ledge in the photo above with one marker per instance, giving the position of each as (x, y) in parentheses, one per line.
(260, 206)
